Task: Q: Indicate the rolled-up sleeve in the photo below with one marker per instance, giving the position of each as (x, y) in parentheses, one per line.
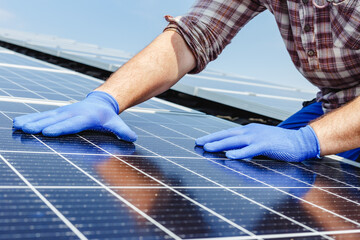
(210, 25)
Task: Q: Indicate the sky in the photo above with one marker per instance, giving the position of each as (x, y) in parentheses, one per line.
(257, 51)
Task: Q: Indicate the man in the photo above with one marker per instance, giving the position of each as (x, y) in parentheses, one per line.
(322, 38)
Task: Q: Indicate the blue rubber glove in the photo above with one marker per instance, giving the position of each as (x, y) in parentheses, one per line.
(98, 111)
(258, 139)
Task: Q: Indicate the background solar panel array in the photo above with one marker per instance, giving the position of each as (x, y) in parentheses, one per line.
(264, 98)
(93, 186)
(30, 78)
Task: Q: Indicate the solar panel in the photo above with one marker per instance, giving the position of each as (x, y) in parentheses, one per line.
(93, 186)
(33, 80)
(260, 97)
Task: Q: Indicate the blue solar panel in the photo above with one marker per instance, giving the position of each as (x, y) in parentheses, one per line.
(253, 95)
(7, 57)
(93, 186)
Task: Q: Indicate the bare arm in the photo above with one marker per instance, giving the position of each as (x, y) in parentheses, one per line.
(339, 130)
(152, 71)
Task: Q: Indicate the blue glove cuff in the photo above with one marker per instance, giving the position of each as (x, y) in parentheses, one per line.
(104, 96)
(310, 135)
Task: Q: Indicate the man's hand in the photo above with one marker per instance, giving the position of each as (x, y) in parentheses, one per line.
(98, 111)
(257, 139)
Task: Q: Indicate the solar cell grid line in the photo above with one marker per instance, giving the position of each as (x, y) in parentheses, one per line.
(36, 93)
(63, 78)
(66, 153)
(51, 206)
(151, 102)
(292, 236)
(99, 154)
(226, 188)
(154, 104)
(312, 171)
(177, 132)
(250, 200)
(181, 194)
(310, 185)
(350, 173)
(22, 73)
(296, 196)
(230, 124)
(27, 89)
(2, 92)
(20, 93)
(134, 118)
(75, 78)
(186, 109)
(254, 235)
(328, 177)
(60, 84)
(200, 130)
(68, 223)
(42, 85)
(65, 71)
(280, 190)
(13, 92)
(341, 170)
(182, 124)
(147, 217)
(138, 187)
(180, 133)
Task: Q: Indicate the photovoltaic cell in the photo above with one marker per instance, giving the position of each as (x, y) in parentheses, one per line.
(93, 186)
(24, 216)
(11, 58)
(57, 84)
(261, 97)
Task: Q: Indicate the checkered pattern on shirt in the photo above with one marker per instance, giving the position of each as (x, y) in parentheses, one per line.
(324, 44)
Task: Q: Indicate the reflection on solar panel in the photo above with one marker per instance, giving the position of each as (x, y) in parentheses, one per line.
(93, 186)
(275, 101)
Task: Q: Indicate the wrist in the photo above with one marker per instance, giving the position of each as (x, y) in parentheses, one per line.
(105, 97)
(310, 142)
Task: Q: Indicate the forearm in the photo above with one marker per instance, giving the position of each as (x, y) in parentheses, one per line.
(152, 71)
(339, 130)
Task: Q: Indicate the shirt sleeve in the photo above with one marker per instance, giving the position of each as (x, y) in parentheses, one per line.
(210, 25)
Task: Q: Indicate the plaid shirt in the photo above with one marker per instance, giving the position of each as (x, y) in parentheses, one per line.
(324, 44)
